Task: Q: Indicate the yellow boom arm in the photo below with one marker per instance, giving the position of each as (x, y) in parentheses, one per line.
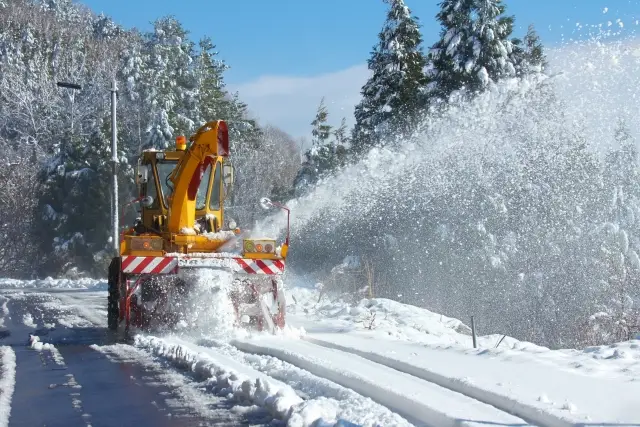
(210, 141)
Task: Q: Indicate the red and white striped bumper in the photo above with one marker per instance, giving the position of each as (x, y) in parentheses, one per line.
(261, 266)
(149, 265)
(170, 265)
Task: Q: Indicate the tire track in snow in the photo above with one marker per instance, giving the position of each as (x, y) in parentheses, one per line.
(411, 397)
(497, 400)
(91, 306)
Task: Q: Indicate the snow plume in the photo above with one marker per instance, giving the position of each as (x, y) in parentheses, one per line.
(207, 309)
(495, 208)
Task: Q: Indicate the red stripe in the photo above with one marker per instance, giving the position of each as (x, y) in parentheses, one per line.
(244, 265)
(165, 261)
(126, 260)
(140, 267)
(278, 264)
(263, 266)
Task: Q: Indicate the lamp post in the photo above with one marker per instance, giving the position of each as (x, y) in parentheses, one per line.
(74, 87)
(114, 170)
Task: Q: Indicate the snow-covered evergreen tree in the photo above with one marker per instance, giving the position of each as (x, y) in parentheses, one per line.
(474, 48)
(448, 56)
(528, 54)
(171, 83)
(212, 102)
(321, 129)
(133, 90)
(318, 158)
(327, 153)
(492, 46)
(392, 97)
(341, 135)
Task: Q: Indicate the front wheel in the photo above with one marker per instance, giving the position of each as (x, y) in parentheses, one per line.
(113, 311)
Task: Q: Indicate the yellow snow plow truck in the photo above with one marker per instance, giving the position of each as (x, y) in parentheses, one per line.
(182, 227)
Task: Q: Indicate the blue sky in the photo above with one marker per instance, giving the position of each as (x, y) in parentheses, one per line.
(286, 54)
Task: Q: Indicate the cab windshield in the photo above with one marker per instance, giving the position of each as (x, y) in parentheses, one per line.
(164, 170)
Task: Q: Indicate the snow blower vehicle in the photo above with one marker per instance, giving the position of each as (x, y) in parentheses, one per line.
(182, 228)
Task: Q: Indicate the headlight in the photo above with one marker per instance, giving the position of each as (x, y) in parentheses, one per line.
(232, 224)
(146, 244)
(263, 246)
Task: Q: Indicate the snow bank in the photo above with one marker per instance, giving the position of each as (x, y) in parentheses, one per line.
(383, 318)
(50, 283)
(232, 378)
(279, 399)
(322, 397)
(315, 312)
(7, 382)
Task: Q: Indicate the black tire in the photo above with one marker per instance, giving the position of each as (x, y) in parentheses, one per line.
(113, 311)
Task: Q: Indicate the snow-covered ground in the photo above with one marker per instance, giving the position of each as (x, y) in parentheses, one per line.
(375, 363)
(547, 387)
(7, 382)
(50, 283)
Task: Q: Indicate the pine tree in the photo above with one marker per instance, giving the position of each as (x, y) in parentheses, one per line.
(474, 47)
(392, 97)
(325, 155)
(77, 206)
(341, 143)
(491, 44)
(211, 99)
(449, 55)
(528, 54)
(171, 82)
(318, 158)
(340, 134)
(321, 130)
(133, 99)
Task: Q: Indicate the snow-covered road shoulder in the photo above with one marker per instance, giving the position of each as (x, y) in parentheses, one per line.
(547, 387)
(413, 398)
(7, 382)
(228, 376)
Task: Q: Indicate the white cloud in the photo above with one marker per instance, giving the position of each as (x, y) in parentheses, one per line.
(290, 102)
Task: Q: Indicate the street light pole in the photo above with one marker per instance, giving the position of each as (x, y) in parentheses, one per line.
(74, 87)
(114, 170)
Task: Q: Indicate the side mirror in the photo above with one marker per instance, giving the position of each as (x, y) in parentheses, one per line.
(142, 175)
(228, 178)
(146, 201)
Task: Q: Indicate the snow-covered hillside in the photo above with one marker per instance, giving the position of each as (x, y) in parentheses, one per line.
(374, 363)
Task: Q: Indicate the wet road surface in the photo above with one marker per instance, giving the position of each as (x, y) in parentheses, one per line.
(78, 385)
